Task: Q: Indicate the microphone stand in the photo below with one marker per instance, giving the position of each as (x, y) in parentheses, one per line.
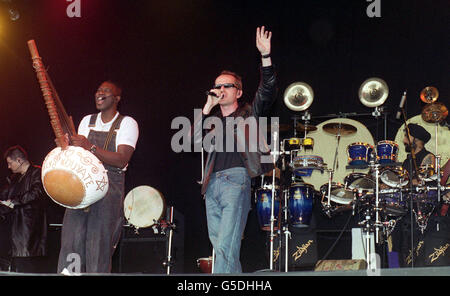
(412, 161)
(171, 226)
(272, 207)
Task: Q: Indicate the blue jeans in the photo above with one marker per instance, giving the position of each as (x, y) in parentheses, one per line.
(227, 207)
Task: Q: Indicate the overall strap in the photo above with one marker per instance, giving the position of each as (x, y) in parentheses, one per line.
(111, 130)
(93, 119)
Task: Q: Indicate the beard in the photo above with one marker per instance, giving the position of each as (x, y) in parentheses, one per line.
(407, 148)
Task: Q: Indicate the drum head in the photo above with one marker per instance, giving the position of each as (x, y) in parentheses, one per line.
(325, 147)
(443, 135)
(144, 206)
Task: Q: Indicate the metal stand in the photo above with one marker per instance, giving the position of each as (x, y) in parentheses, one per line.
(287, 233)
(272, 208)
(168, 263)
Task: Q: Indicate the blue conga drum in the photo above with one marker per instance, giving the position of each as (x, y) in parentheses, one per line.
(264, 207)
(301, 197)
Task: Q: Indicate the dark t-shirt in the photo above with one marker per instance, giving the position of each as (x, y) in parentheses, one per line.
(419, 158)
(227, 159)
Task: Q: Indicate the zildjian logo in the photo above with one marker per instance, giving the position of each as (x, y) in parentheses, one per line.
(438, 252)
(419, 246)
(301, 250)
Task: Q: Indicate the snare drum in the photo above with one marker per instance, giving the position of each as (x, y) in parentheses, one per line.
(303, 165)
(301, 197)
(264, 207)
(144, 206)
(359, 153)
(387, 151)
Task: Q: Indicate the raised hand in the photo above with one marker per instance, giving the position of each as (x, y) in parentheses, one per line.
(263, 40)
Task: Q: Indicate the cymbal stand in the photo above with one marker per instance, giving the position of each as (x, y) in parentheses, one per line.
(438, 165)
(287, 233)
(272, 207)
(306, 117)
(377, 203)
(438, 176)
(168, 263)
(328, 205)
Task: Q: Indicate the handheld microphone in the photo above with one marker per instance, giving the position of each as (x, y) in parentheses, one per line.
(402, 103)
(210, 93)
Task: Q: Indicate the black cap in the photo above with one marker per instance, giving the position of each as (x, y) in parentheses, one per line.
(419, 132)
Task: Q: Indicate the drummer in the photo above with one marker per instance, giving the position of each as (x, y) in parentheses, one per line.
(418, 138)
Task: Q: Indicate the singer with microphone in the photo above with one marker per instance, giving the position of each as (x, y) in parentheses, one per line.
(24, 207)
(227, 177)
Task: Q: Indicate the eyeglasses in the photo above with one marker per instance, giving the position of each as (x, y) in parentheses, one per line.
(226, 85)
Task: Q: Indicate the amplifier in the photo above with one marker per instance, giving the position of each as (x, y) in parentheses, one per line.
(145, 250)
(302, 249)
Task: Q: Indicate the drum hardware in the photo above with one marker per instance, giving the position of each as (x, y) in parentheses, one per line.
(434, 112)
(287, 233)
(168, 263)
(272, 207)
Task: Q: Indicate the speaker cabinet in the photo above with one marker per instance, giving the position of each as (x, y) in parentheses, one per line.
(146, 250)
(302, 249)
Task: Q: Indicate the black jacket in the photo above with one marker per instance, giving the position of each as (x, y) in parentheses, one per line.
(264, 98)
(28, 218)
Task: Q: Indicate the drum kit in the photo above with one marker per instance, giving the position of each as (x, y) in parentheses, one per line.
(372, 185)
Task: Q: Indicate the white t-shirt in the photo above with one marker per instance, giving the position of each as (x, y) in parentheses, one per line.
(127, 134)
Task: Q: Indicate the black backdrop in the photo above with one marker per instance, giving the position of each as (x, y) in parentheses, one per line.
(167, 53)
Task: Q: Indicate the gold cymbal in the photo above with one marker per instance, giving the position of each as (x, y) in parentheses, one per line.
(305, 127)
(340, 128)
(434, 112)
(429, 94)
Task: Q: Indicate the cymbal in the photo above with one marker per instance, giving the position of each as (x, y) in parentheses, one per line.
(340, 128)
(434, 112)
(281, 127)
(308, 128)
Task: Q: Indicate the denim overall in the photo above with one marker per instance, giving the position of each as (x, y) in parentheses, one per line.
(94, 232)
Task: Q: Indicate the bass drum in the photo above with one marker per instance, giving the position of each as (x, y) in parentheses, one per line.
(325, 146)
(144, 206)
(443, 140)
